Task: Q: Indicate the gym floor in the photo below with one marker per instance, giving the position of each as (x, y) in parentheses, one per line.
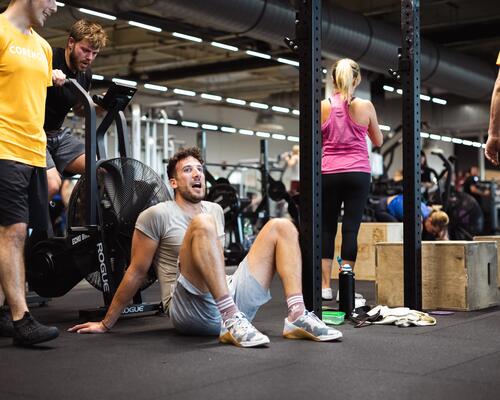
(144, 358)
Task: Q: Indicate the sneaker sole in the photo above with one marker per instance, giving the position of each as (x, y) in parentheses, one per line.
(21, 343)
(302, 334)
(227, 338)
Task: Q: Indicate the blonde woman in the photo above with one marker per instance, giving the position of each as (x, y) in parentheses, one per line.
(436, 225)
(346, 121)
(435, 220)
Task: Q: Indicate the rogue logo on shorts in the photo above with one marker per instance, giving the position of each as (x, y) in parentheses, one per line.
(22, 51)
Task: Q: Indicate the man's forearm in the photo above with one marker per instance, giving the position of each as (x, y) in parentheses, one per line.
(129, 286)
(494, 128)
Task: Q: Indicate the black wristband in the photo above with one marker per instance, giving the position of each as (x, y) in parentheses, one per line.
(105, 326)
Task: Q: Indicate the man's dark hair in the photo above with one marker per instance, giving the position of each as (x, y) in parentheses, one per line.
(181, 155)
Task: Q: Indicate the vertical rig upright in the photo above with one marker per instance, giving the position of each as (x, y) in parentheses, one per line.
(264, 177)
(308, 39)
(409, 68)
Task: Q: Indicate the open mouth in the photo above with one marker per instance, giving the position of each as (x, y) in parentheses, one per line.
(196, 185)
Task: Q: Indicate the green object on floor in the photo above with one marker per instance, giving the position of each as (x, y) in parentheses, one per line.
(333, 317)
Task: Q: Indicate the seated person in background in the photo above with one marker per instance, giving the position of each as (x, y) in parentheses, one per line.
(184, 238)
(435, 221)
(472, 187)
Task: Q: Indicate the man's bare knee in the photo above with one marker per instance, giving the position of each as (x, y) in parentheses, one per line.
(283, 228)
(53, 182)
(53, 190)
(203, 225)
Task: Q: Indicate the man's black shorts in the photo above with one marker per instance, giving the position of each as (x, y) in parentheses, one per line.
(23, 195)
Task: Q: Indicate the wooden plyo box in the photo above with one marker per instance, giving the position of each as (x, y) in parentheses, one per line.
(497, 240)
(456, 275)
(369, 234)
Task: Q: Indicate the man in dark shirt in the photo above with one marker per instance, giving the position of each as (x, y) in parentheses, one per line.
(66, 153)
(472, 187)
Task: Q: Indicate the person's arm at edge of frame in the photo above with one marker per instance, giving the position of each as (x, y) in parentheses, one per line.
(326, 109)
(374, 133)
(143, 250)
(493, 143)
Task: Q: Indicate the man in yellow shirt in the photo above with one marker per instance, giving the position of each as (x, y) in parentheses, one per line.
(493, 143)
(25, 74)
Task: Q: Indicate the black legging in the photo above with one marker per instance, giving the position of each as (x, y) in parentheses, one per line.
(350, 188)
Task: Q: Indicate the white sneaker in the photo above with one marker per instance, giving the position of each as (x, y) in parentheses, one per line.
(309, 326)
(240, 332)
(326, 294)
(359, 302)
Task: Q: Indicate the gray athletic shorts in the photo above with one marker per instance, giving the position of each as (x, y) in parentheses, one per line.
(195, 313)
(62, 148)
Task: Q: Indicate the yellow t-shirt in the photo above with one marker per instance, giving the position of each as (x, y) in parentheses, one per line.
(498, 59)
(25, 73)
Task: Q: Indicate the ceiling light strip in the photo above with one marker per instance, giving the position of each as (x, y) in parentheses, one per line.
(261, 106)
(124, 82)
(239, 102)
(184, 92)
(209, 96)
(144, 26)
(187, 37)
(449, 139)
(159, 88)
(230, 129)
(289, 62)
(97, 14)
(257, 54)
(224, 46)
(280, 109)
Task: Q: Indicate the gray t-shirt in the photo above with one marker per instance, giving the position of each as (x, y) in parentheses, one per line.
(167, 223)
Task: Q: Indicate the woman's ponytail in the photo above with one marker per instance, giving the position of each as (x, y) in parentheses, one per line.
(346, 76)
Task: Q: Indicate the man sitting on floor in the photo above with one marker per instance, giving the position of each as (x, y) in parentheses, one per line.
(183, 239)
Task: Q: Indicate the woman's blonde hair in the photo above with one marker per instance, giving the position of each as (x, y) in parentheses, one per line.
(438, 218)
(346, 76)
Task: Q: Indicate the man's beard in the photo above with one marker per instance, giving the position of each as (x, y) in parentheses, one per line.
(186, 195)
(74, 64)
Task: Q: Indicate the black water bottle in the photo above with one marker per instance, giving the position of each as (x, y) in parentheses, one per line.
(346, 289)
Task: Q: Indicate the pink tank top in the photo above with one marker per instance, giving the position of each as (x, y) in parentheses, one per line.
(344, 141)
